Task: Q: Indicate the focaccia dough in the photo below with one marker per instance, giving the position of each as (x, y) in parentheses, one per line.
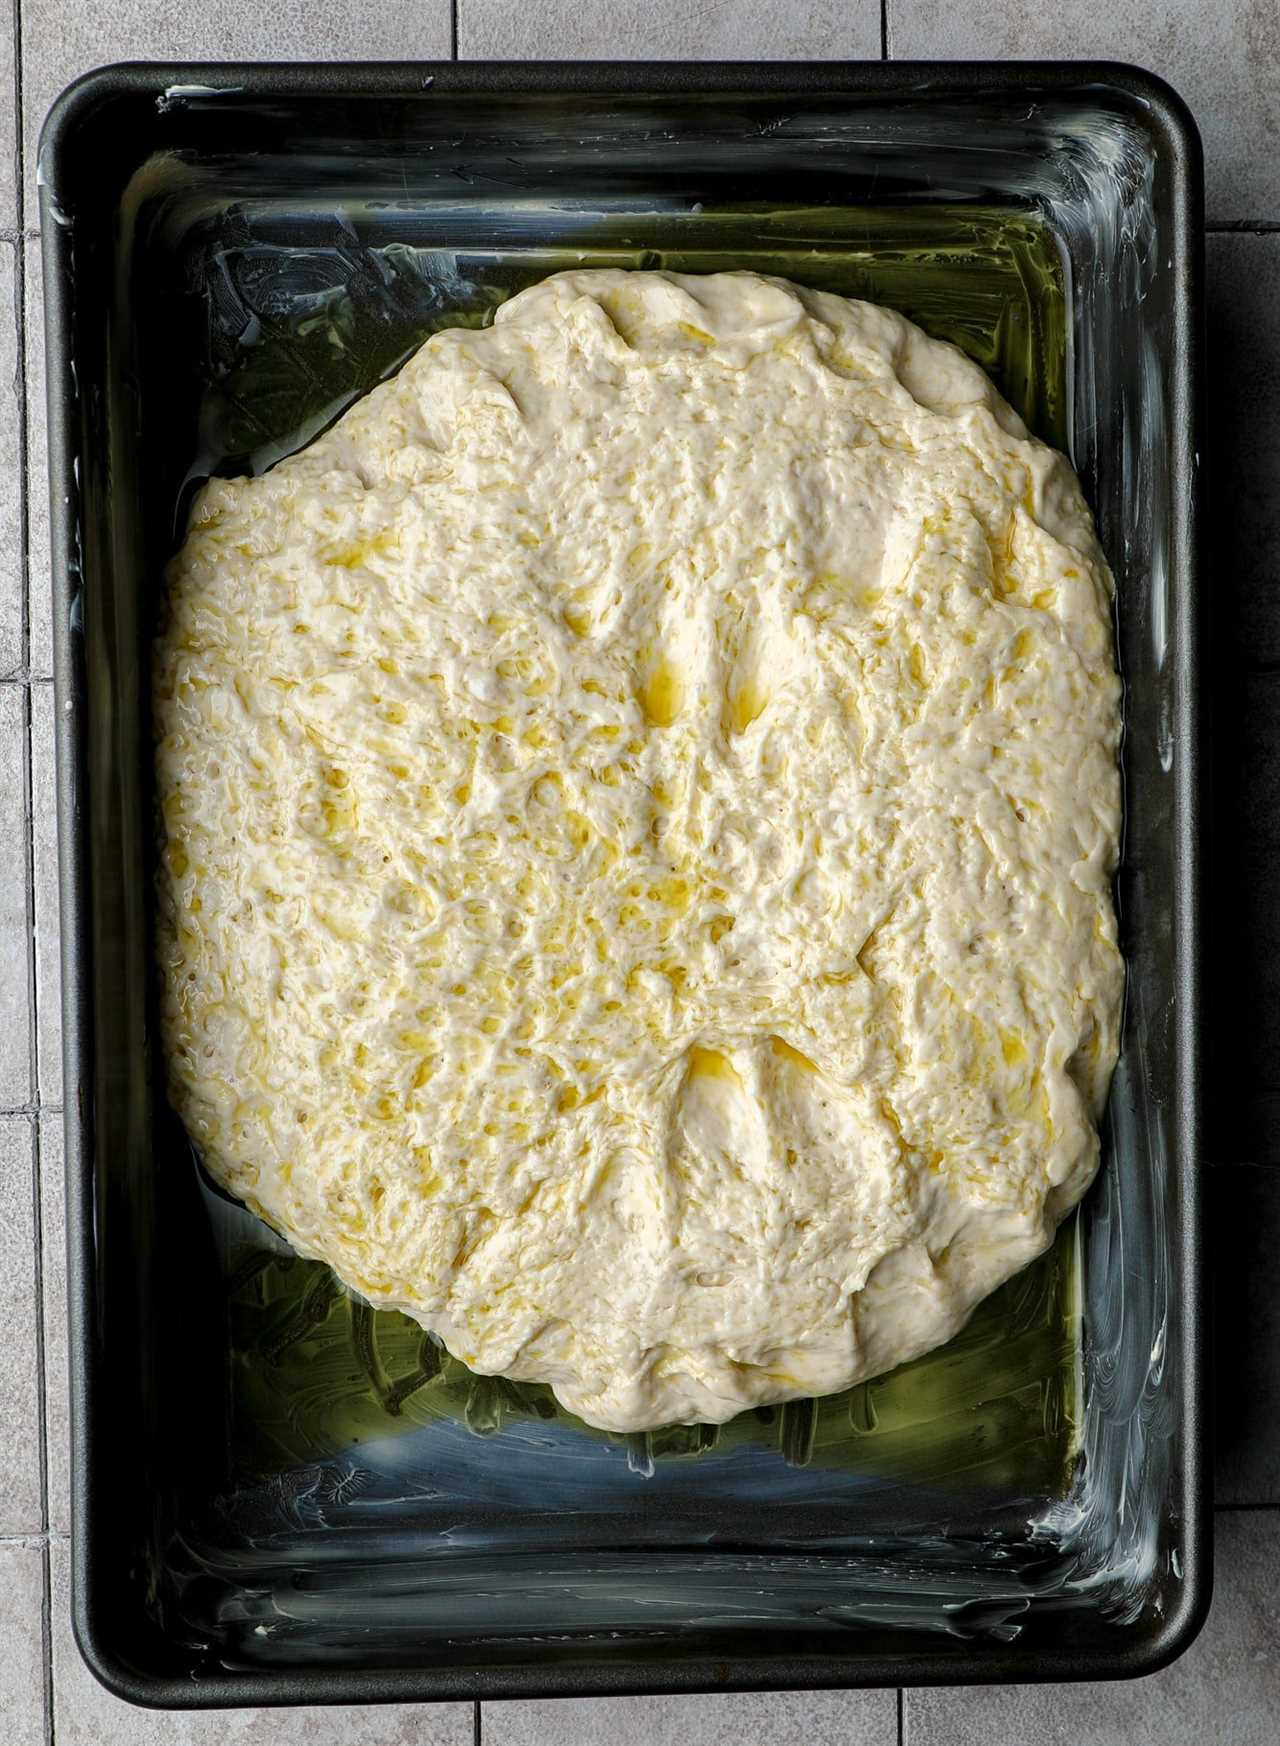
(640, 796)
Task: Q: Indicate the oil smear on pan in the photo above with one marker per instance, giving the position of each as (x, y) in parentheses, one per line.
(290, 345)
(351, 1419)
(318, 1371)
(1021, 1468)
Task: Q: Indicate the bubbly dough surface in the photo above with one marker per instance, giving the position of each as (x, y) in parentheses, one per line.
(640, 795)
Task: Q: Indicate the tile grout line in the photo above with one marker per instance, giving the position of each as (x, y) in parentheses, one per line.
(37, 1223)
(24, 546)
(46, 1641)
(884, 30)
(476, 1722)
(453, 30)
(902, 1717)
(16, 93)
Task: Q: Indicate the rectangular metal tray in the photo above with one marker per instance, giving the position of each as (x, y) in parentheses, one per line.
(280, 1497)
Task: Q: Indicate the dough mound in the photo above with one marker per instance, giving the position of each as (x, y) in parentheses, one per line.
(639, 801)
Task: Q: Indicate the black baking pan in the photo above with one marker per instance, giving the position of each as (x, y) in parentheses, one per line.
(281, 1496)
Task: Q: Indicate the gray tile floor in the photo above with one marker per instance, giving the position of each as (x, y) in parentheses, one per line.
(1226, 61)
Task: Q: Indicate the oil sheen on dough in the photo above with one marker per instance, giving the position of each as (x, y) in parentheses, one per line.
(640, 798)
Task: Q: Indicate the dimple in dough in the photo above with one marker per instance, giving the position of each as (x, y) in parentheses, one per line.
(640, 798)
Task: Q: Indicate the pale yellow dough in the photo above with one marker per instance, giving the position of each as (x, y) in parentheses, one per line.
(640, 797)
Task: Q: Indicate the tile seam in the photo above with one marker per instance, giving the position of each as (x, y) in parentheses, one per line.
(11, 239)
(19, 151)
(24, 546)
(16, 92)
(37, 1211)
(46, 1643)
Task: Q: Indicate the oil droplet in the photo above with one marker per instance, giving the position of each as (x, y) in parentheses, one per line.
(672, 892)
(1012, 1048)
(662, 695)
(711, 1064)
(353, 554)
(747, 705)
(785, 1052)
